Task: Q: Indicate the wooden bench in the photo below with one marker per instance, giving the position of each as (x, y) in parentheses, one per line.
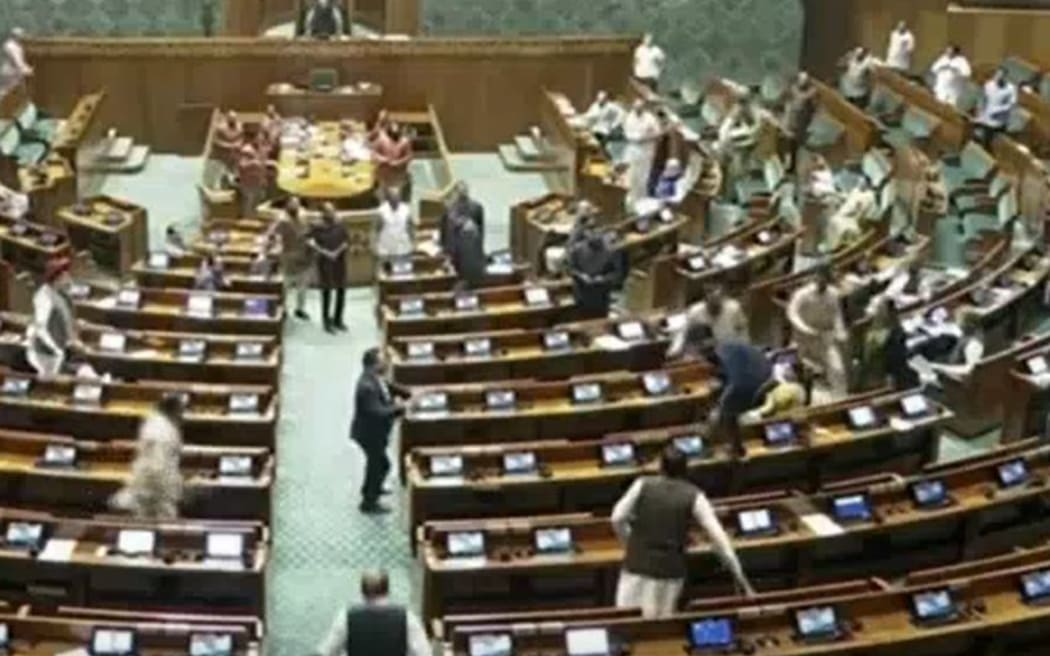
(113, 231)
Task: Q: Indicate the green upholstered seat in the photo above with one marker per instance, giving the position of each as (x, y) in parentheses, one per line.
(884, 102)
(918, 123)
(1018, 121)
(1019, 71)
(976, 162)
(877, 167)
(824, 131)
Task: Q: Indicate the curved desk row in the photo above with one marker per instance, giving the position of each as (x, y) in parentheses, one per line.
(58, 472)
(94, 409)
(531, 305)
(154, 355)
(805, 448)
(243, 275)
(103, 562)
(430, 274)
(949, 512)
(180, 310)
(631, 344)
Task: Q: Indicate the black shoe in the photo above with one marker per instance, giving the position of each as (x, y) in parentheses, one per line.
(329, 329)
(374, 508)
(299, 314)
(341, 327)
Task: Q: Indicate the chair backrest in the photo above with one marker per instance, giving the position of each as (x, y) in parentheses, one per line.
(1019, 71)
(773, 171)
(876, 167)
(1018, 120)
(1008, 207)
(919, 123)
(969, 97)
(28, 117)
(976, 162)
(711, 112)
(9, 141)
(884, 101)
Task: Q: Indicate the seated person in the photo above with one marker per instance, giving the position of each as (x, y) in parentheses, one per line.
(785, 393)
(934, 195)
(845, 225)
(668, 184)
(966, 352)
(605, 118)
(209, 276)
(906, 287)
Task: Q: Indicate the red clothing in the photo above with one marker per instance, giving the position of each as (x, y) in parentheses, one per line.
(251, 172)
(392, 158)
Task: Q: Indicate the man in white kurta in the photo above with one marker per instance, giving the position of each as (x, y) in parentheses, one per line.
(641, 130)
(902, 45)
(815, 315)
(649, 60)
(856, 78)
(52, 328)
(950, 73)
(653, 520)
(13, 66)
(1000, 98)
(13, 204)
(604, 117)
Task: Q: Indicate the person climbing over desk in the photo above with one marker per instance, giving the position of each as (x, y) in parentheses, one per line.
(155, 487)
(652, 519)
(52, 329)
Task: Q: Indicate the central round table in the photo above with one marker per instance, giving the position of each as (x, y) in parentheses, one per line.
(315, 169)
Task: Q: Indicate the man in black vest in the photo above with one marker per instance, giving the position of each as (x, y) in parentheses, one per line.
(596, 272)
(375, 627)
(461, 207)
(377, 405)
(653, 519)
(324, 20)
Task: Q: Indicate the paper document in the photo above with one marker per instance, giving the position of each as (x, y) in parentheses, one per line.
(58, 550)
(611, 343)
(822, 525)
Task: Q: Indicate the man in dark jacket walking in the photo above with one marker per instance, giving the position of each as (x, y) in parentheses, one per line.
(378, 403)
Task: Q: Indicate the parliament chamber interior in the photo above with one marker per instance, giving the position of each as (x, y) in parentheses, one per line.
(524, 327)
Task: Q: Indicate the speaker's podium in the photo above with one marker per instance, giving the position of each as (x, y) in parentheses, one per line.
(323, 99)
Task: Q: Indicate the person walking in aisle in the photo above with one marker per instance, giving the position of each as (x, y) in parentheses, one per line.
(329, 241)
(376, 626)
(394, 236)
(378, 403)
(296, 256)
(653, 520)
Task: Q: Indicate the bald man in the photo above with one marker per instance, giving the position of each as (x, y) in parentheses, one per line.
(375, 627)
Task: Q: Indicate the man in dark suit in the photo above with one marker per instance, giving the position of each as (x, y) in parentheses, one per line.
(596, 271)
(468, 254)
(460, 208)
(377, 405)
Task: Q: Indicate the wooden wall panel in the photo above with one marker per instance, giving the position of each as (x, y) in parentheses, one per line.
(485, 90)
(985, 35)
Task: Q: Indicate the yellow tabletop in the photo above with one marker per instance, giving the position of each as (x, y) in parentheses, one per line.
(326, 176)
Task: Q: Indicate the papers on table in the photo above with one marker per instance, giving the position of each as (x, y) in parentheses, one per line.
(611, 343)
(58, 550)
(822, 525)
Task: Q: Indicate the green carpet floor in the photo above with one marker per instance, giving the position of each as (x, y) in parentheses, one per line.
(321, 543)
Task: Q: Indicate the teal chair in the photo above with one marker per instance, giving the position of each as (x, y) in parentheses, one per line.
(919, 124)
(824, 132)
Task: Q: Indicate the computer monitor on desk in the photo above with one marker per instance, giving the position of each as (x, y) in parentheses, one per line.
(324, 79)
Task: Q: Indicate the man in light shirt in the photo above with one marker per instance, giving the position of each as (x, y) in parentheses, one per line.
(649, 60)
(902, 45)
(815, 314)
(1000, 98)
(653, 519)
(13, 66)
(376, 626)
(641, 129)
(950, 72)
(604, 118)
(856, 79)
(722, 313)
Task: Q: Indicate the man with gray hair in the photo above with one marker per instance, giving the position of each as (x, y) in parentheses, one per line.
(13, 66)
(460, 207)
(375, 626)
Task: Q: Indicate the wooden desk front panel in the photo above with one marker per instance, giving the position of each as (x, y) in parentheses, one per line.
(485, 90)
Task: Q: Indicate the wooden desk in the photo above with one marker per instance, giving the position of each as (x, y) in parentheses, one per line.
(168, 310)
(42, 632)
(161, 270)
(429, 274)
(800, 554)
(1026, 398)
(50, 185)
(523, 354)
(499, 308)
(360, 102)
(94, 574)
(49, 405)
(78, 126)
(545, 410)
(987, 606)
(316, 171)
(31, 246)
(115, 232)
(150, 355)
(103, 467)
(570, 476)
